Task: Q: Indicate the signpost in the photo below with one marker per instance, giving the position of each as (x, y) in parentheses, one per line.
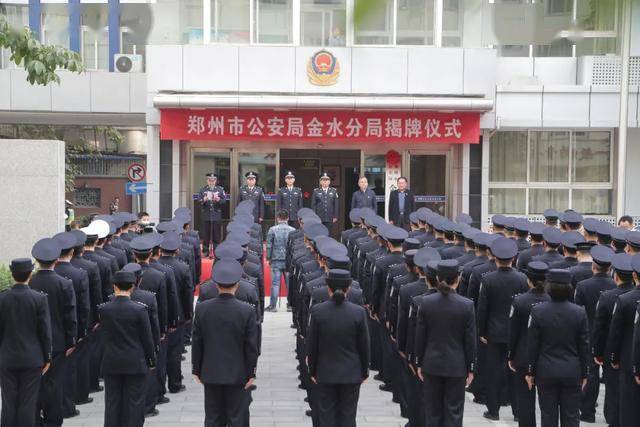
(136, 172)
(135, 188)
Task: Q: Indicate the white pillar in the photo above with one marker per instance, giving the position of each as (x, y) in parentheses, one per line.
(485, 180)
(175, 175)
(153, 173)
(624, 108)
(466, 150)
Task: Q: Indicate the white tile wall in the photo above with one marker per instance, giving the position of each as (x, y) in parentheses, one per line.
(266, 69)
(27, 97)
(435, 71)
(210, 68)
(73, 93)
(379, 70)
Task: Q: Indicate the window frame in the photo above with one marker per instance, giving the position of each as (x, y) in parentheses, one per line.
(570, 184)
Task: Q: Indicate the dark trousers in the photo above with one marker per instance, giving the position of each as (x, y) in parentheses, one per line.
(330, 227)
(83, 371)
(525, 398)
(174, 358)
(497, 376)
(559, 401)
(95, 360)
(19, 389)
(161, 370)
(337, 404)
(124, 400)
(629, 400)
(69, 379)
(211, 233)
(51, 392)
(611, 395)
(151, 391)
(443, 401)
(226, 405)
(416, 398)
(591, 391)
(479, 387)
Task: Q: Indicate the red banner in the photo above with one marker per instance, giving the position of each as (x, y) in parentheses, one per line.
(320, 125)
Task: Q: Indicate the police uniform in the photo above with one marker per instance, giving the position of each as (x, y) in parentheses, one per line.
(62, 310)
(128, 355)
(337, 348)
(325, 203)
(518, 351)
(558, 337)
(290, 200)
(535, 232)
(445, 349)
(582, 270)
(553, 239)
(225, 374)
(211, 214)
(25, 348)
(254, 194)
(496, 296)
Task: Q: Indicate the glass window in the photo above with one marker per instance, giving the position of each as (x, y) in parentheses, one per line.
(452, 17)
(230, 21)
(323, 22)
(506, 200)
(600, 15)
(508, 157)
(549, 157)
(428, 178)
(94, 32)
(135, 27)
(17, 16)
(546, 198)
(373, 22)
(592, 201)
(273, 21)
(55, 24)
(415, 22)
(87, 197)
(591, 157)
(175, 22)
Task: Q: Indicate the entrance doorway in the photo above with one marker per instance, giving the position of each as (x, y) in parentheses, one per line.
(307, 165)
(429, 181)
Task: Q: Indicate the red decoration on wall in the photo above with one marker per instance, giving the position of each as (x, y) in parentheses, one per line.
(393, 159)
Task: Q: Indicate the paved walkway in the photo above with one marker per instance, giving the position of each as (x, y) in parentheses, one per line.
(278, 401)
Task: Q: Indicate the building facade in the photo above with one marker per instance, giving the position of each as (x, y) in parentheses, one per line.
(486, 106)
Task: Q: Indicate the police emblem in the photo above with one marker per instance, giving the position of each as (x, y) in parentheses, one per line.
(323, 69)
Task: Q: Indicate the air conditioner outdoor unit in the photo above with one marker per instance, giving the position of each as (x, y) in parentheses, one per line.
(128, 63)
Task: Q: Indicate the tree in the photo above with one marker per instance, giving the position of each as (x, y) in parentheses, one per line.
(40, 61)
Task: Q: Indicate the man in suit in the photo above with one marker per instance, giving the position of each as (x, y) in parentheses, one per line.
(401, 204)
(364, 197)
(225, 322)
(25, 346)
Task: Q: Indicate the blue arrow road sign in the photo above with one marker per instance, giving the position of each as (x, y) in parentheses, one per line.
(135, 187)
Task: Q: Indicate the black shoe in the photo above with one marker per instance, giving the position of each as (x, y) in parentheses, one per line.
(378, 377)
(163, 400)
(308, 413)
(479, 400)
(187, 343)
(178, 390)
(490, 416)
(152, 413)
(516, 419)
(292, 326)
(588, 419)
(302, 387)
(75, 413)
(97, 390)
(385, 387)
(253, 387)
(84, 402)
(306, 399)
(182, 358)
(396, 400)
(289, 308)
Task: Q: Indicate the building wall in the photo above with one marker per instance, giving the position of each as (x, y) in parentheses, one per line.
(109, 189)
(32, 192)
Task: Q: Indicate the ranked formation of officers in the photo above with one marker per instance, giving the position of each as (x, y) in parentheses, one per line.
(435, 307)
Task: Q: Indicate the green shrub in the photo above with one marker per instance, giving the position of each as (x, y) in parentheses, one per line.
(5, 278)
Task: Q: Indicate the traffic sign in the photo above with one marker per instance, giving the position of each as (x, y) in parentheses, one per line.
(135, 188)
(136, 172)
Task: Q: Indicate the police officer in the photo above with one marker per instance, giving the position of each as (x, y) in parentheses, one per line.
(569, 241)
(62, 310)
(587, 293)
(337, 347)
(621, 339)
(551, 243)
(363, 197)
(623, 276)
(558, 352)
(128, 354)
(551, 217)
(24, 319)
(496, 296)
(225, 323)
(518, 352)
(445, 348)
(536, 231)
(252, 192)
(582, 270)
(324, 202)
(290, 199)
(212, 198)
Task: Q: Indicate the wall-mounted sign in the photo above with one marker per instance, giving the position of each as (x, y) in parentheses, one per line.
(320, 125)
(323, 69)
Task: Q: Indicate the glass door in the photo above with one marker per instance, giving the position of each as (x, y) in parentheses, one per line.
(429, 180)
(264, 164)
(204, 161)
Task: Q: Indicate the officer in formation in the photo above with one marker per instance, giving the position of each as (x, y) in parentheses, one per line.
(250, 191)
(363, 197)
(290, 198)
(212, 198)
(325, 203)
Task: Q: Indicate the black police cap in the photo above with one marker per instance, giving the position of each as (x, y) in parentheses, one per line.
(557, 275)
(112, 229)
(229, 250)
(571, 238)
(537, 229)
(602, 254)
(46, 250)
(305, 211)
(171, 241)
(431, 270)
(81, 238)
(410, 254)
(239, 238)
(332, 247)
(66, 240)
(483, 240)
(498, 220)
(551, 214)
(448, 268)
(226, 272)
(124, 278)
(552, 236)
(133, 267)
(590, 225)
(394, 235)
(366, 212)
(470, 233)
(324, 175)
(633, 239)
(571, 217)
(289, 174)
(503, 248)
(509, 223)
(166, 226)
(181, 211)
(604, 230)
(464, 218)
(251, 174)
(338, 278)
(142, 244)
(585, 246)
(315, 230)
(354, 216)
(413, 217)
(635, 263)
(424, 255)
(338, 261)
(622, 263)
(522, 225)
(537, 270)
(411, 243)
(21, 265)
(619, 235)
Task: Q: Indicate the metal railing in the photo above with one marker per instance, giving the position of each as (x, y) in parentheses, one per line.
(109, 165)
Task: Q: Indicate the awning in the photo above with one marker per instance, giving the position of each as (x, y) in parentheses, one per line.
(320, 102)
